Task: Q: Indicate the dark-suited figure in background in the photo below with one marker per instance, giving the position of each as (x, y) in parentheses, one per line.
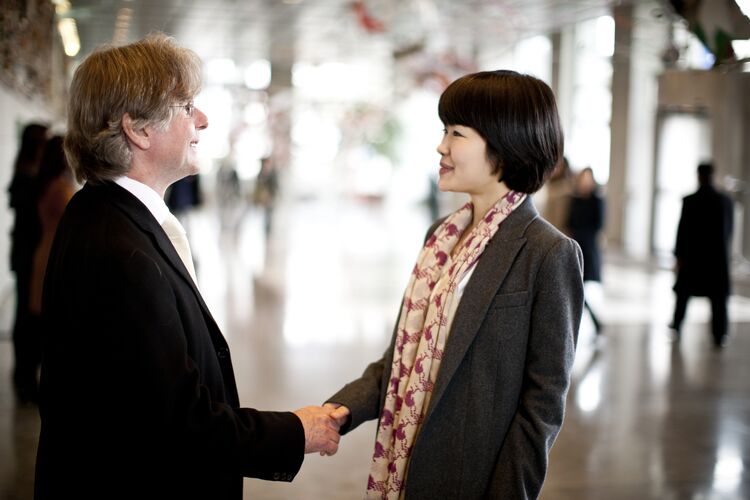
(184, 195)
(585, 222)
(138, 397)
(702, 250)
(22, 194)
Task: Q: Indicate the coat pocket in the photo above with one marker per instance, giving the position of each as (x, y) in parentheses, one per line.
(514, 299)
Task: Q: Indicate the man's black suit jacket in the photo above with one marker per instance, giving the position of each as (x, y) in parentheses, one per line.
(703, 246)
(138, 396)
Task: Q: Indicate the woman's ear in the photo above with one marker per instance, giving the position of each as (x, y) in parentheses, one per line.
(139, 137)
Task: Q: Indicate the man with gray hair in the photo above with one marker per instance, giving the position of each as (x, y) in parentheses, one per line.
(138, 396)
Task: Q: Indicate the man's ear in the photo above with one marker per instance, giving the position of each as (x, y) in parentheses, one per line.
(138, 137)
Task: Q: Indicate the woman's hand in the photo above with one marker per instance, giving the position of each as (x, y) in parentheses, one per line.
(339, 413)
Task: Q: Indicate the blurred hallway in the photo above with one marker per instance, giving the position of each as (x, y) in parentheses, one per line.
(305, 312)
(341, 95)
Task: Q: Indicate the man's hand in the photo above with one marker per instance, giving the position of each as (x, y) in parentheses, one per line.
(321, 430)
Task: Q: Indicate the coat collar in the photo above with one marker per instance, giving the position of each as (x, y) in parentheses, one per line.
(491, 270)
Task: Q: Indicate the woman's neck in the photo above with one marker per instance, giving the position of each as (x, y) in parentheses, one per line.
(484, 201)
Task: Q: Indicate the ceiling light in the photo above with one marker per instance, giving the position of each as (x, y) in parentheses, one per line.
(61, 6)
(69, 33)
(258, 75)
(122, 26)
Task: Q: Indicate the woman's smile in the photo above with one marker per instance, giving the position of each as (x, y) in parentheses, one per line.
(444, 169)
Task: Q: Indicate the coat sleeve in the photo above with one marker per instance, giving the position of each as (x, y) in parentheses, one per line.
(728, 219)
(362, 396)
(599, 213)
(682, 231)
(555, 317)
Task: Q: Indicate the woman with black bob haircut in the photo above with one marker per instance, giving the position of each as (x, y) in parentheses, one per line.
(470, 394)
(524, 138)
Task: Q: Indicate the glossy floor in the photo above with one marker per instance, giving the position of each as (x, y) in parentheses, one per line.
(305, 311)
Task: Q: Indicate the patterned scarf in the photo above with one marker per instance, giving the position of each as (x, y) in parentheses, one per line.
(425, 321)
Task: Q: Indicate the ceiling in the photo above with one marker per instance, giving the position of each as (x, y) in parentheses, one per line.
(322, 30)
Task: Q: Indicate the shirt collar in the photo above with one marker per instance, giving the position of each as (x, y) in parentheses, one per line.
(147, 196)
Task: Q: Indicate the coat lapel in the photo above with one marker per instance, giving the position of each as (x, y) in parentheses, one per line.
(488, 276)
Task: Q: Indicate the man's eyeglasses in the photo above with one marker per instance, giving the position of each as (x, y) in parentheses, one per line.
(189, 108)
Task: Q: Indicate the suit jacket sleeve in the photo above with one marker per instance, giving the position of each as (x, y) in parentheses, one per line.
(556, 313)
(151, 331)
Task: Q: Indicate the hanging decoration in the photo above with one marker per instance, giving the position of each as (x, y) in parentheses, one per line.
(26, 46)
(716, 23)
(366, 20)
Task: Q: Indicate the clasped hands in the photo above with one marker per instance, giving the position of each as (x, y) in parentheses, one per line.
(322, 424)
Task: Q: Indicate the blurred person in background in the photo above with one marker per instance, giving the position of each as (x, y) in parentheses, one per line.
(702, 250)
(182, 198)
(229, 195)
(184, 195)
(266, 190)
(54, 188)
(470, 394)
(585, 222)
(559, 189)
(24, 239)
(138, 396)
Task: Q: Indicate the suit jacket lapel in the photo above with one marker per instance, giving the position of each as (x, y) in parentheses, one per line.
(489, 274)
(145, 220)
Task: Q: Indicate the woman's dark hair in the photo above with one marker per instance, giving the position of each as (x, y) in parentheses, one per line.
(52, 163)
(33, 138)
(516, 115)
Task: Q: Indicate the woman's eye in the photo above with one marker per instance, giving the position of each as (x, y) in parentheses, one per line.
(456, 133)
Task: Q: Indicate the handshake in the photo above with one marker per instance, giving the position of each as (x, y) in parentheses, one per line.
(322, 424)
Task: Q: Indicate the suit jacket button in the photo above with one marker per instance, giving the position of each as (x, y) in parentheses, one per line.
(222, 353)
(276, 476)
